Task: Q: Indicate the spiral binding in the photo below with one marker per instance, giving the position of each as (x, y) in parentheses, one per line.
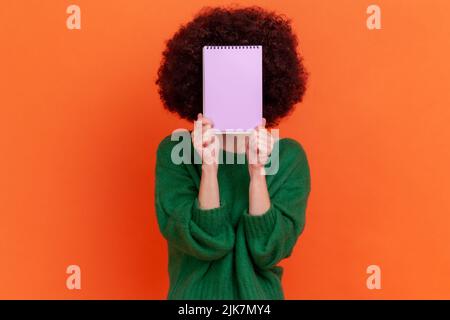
(231, 47)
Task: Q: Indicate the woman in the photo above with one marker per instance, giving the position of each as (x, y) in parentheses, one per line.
(229, 225)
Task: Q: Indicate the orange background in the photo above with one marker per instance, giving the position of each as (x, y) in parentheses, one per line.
(80, 120)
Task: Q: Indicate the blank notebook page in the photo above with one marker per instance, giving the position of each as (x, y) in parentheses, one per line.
(232, 86)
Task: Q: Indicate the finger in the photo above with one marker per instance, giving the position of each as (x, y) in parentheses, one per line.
(262, 134)
(253, 143)
(206, 121)
(206, 127)
(198, 122)
(208, 135)
(252, 138)
(210, 148)
(208, 131)
(208, 140)
(197, 140)
(266, 144)
(262, 143)
(261, 125)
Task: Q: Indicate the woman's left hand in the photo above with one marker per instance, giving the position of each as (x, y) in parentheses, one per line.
(259, 147)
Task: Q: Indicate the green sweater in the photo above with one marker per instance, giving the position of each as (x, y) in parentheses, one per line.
(225, 253)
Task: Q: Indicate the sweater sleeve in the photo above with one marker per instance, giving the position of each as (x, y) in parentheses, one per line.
(204, 234)
(272, 236)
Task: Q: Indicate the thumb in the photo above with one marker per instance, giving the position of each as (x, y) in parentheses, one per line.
(263, 122)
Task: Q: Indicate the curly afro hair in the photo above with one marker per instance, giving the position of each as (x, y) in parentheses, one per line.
(284, 76)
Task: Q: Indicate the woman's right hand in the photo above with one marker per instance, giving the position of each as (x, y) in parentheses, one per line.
(206, 143)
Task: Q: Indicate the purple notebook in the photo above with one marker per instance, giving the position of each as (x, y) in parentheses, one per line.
(232, 87)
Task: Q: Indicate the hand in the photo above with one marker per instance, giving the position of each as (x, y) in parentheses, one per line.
(258, 149)
(206, 143)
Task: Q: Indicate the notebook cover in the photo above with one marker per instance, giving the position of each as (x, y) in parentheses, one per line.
(232, 87)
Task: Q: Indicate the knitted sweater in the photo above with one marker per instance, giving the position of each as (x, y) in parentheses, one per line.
(226, 253)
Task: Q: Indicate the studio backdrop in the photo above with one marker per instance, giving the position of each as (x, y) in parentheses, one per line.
(81, 119)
